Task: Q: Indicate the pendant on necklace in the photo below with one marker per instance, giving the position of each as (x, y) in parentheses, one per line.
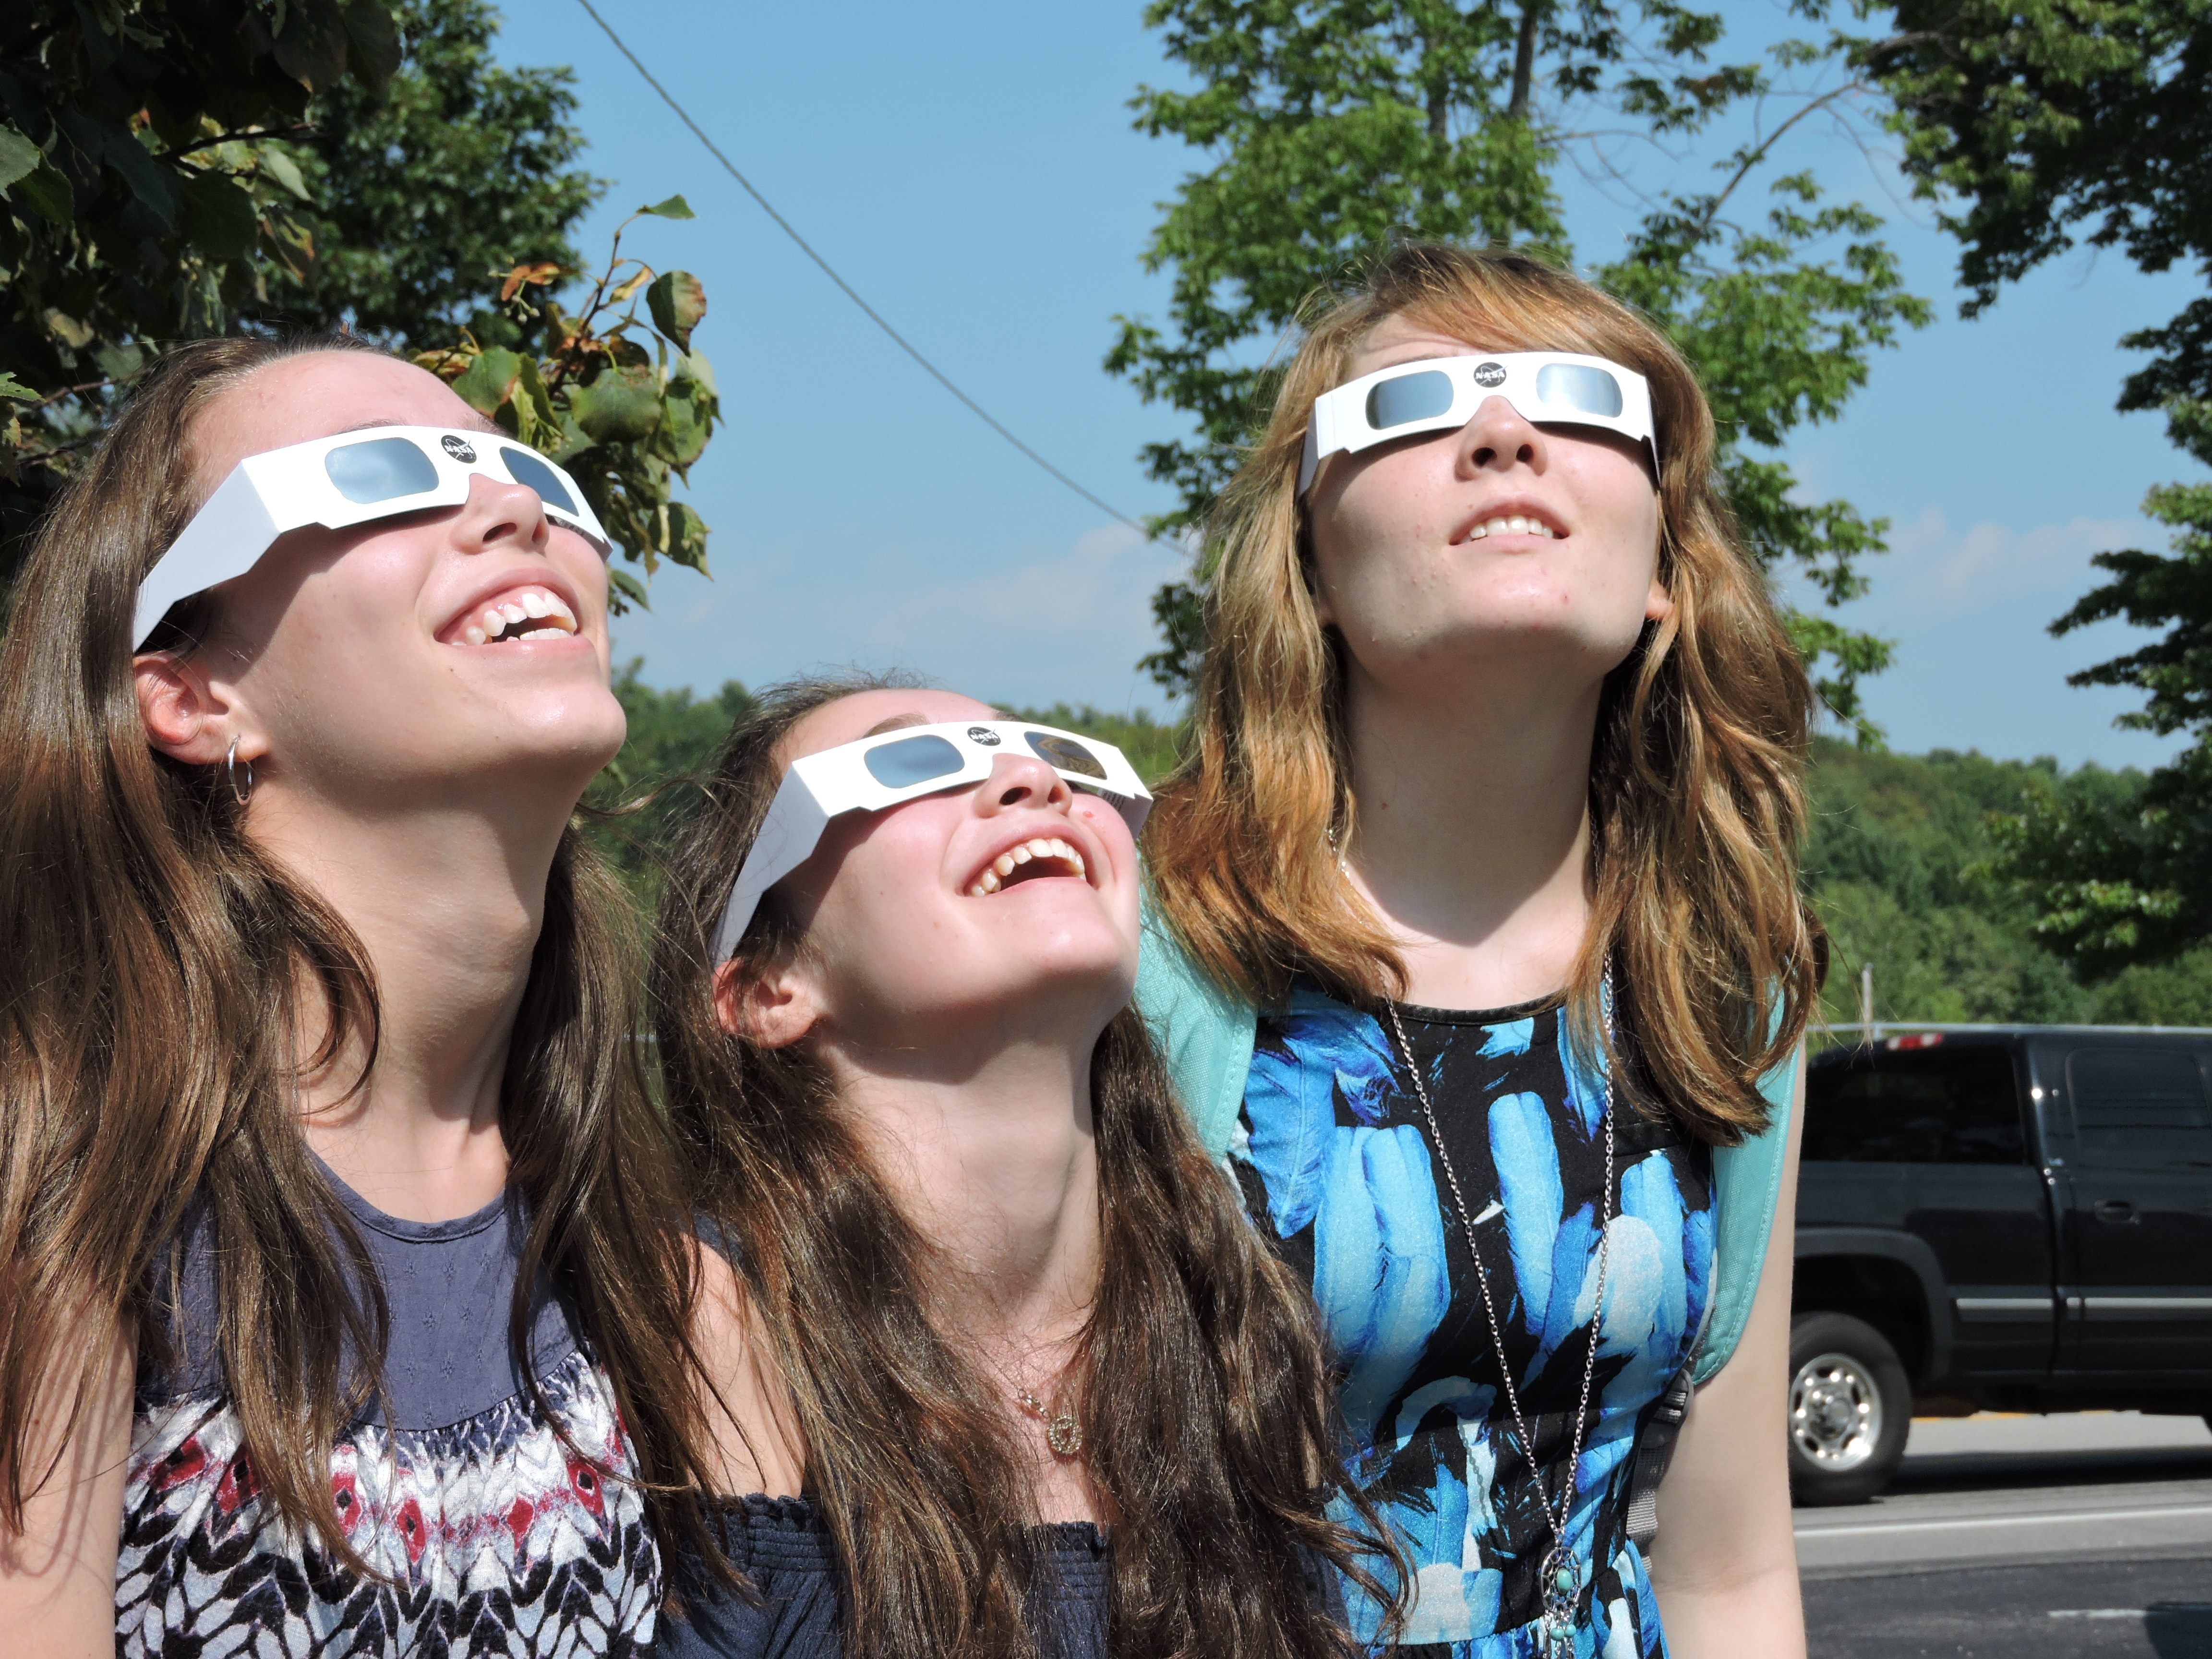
(1063, 1431)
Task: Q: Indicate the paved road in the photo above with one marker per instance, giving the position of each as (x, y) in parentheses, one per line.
(2034, 1537)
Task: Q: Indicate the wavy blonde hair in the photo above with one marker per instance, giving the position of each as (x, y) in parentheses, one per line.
(1697, 798)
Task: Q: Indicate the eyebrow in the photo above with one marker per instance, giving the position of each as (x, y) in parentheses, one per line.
(476, 423)
(896, 722)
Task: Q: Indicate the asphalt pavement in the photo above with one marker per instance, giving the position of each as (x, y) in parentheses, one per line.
(2031, 1537)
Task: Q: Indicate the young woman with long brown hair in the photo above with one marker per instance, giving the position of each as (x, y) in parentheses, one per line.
(1476, 944)
(344, 1268)
(1010, 1373)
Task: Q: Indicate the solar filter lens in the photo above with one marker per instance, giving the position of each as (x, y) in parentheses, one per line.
(381, 469)
(911, 760)
(1579, 386)
(1410, 397)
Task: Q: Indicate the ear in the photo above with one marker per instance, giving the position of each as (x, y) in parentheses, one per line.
(774, 1007)
(1658, 604)
(185, 716)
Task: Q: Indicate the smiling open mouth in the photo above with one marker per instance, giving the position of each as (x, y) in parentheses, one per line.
(1514, 524)
(1042, 856)
(518, 616)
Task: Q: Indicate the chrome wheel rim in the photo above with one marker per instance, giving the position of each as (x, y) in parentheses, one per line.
(1835, 1413)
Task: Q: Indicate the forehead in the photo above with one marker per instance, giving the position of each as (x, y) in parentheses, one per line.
(317, 394)
(852, 718)
(1398, 339)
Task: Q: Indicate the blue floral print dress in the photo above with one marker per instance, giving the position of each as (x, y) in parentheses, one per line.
(1337, 1165)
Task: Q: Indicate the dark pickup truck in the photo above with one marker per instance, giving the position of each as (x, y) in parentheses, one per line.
(1996, 1218)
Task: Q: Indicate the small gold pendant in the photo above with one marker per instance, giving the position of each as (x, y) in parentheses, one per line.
(1064, 1434)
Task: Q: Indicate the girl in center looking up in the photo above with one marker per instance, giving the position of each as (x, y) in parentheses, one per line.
(1005, 1371)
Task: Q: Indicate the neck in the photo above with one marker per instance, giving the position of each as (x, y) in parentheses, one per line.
(446, 900)
(990, 1155)
(1472, 834)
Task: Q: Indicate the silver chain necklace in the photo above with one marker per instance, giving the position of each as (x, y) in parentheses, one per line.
(1557, 1631)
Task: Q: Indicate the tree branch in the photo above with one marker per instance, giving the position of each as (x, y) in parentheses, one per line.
(1524, 61)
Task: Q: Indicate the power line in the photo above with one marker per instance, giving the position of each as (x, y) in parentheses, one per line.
(829, 271)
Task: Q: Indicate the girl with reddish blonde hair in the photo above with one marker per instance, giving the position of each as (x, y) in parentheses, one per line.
(1475, 940)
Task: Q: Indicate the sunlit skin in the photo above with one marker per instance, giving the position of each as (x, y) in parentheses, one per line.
(958, 1029)
(1474, 671)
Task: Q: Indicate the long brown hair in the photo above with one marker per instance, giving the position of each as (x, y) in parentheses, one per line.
(153, 965)
(1697, 802)
(1214, 1444)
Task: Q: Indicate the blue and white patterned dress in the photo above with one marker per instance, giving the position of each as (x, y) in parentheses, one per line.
(1337, 1163)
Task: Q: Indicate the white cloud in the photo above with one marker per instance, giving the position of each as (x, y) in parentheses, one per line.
(1939, 572)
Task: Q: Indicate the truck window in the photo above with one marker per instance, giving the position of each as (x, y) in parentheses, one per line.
(1922, 1106)
(2139, 1108)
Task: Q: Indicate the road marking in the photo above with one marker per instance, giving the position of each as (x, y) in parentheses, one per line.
(2002, 1521)
(2097, 1612)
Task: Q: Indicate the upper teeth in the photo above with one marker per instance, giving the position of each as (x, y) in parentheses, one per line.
(1516, 526)
(524, 604)
(1002, 866)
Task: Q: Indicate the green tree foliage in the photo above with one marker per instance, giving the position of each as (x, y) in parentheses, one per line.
(623, 418)
(145, 196)
(174, 168)
(634, 806)
(2032, 126)
(1898, 868)
(421, 199)
(1335, 124)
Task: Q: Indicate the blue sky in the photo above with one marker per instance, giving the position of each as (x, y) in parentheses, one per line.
(972, 171)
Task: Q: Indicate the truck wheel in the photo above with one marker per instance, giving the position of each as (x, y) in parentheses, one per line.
(1851, 1408)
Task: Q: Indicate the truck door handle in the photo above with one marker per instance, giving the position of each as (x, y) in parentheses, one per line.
(2117, 1211)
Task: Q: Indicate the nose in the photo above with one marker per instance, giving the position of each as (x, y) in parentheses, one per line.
(501, 514)
(1497, 438)
(1021, 780)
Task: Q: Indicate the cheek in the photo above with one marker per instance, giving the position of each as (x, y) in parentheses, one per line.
(579, 562)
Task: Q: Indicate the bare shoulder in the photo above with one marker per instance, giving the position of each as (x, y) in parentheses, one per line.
(750, 1417)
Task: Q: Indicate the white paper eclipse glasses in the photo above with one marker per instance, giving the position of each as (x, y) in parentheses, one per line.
(372, 472)
(1438, 394)
(903, 765)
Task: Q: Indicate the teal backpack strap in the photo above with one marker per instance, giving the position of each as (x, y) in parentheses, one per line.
(1204, 1032)
(1746, 1187)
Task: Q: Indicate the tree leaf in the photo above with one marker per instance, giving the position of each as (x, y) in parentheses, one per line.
(677, 300)
(311, 43)
(686, 423)
(621, 406)
(487, 383)
(526, 275)
(46, 192)
(19, 157)
(12, 387)
(276, 164)
(219, 215)
(687, 537)
(674, 208)
(373, 50)
(154, 184)
(66, 329)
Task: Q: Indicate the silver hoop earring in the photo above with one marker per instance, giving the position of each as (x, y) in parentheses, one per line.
(230, 765)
